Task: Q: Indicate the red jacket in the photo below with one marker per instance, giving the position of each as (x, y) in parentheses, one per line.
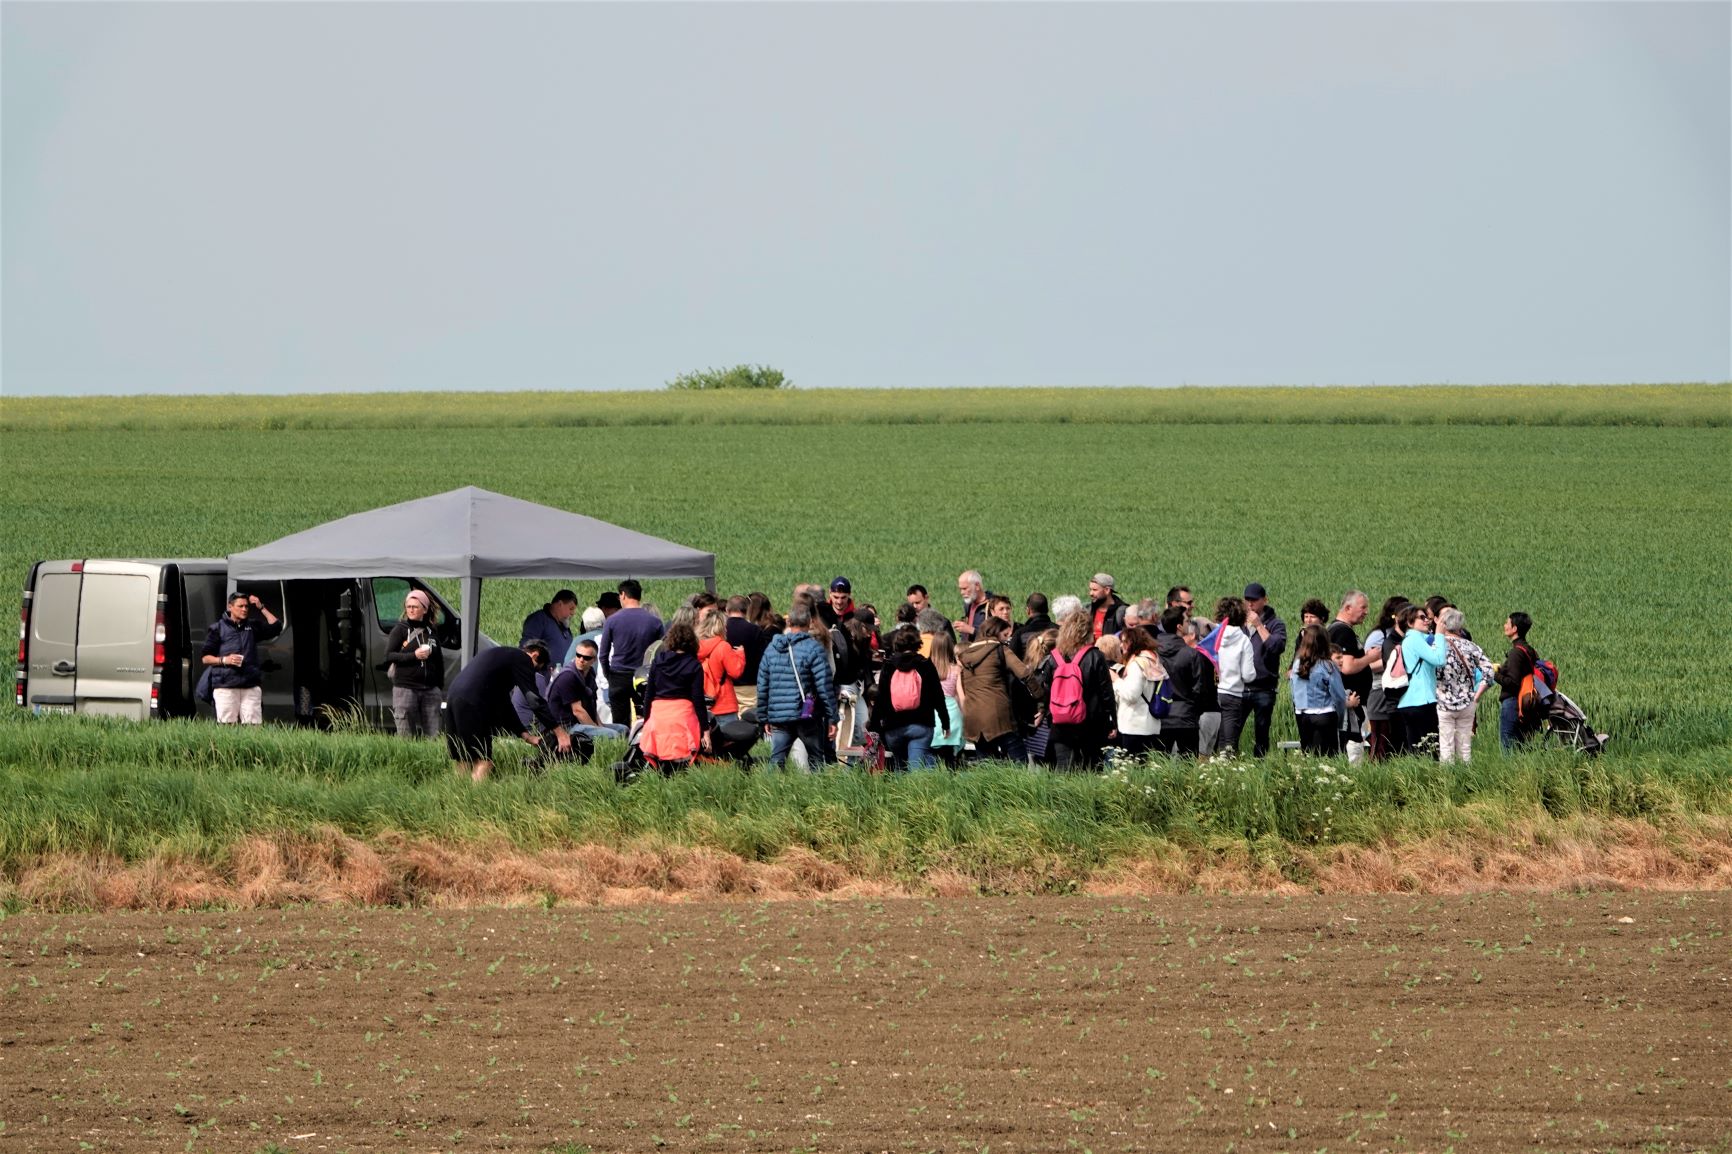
(722, 664)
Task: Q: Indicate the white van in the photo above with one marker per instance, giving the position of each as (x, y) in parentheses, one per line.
(122, 638)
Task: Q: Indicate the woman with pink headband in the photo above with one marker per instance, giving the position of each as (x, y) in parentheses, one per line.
(416, 667)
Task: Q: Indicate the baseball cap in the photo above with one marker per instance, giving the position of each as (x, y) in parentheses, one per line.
(840, 585)
(1255, 592)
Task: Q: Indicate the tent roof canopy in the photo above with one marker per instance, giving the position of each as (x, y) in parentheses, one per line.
(471, 532)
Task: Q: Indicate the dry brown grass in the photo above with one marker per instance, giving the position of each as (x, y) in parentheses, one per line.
(329, 868)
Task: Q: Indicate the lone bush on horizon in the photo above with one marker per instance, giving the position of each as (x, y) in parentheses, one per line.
(738, 377)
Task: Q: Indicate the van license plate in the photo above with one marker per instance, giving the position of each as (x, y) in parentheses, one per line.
(53, 709)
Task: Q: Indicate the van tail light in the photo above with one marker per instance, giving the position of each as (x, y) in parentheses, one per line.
(18, 677)
(159, 653)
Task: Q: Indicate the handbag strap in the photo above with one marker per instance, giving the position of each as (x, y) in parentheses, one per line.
(795, 666)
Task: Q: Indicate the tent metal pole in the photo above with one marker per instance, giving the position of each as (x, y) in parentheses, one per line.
(471, 602)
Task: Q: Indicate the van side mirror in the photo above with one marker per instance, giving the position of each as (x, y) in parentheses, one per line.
(450, 634)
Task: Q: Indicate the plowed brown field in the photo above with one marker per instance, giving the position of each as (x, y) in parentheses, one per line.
(1491, 1022)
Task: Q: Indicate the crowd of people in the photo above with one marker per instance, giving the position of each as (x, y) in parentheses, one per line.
(831, 681)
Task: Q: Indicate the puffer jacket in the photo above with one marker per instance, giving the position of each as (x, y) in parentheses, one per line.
(779, 692)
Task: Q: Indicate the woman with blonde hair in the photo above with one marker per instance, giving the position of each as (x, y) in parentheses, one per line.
(941, 651)
(1077, 741)
(723, 665)
(1038, 740)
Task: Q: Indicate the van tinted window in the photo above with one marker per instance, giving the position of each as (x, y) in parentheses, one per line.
(204, 603)
(118, 610)
(54, 612)
(388, 594)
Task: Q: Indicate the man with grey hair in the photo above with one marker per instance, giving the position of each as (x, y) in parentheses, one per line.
(1144, 613)
(971, 587)
(930, 622)
(1064, 605)
(1350, 658)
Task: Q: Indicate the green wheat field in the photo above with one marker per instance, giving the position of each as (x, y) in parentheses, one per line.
(1603, 512)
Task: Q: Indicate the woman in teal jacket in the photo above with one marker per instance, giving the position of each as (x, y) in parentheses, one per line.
(1424, 652)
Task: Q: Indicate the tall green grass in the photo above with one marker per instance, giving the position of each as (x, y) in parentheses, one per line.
(87, 786)
(1695, 405)
(1613, 538)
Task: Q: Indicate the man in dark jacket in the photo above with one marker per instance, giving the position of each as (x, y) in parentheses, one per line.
(551, 624)
(1106, 607)
(1037, 623)
(1517, 664)
(1192, 677)
(231, 649)
(479, 705)
(1268, 641)
(795, 668)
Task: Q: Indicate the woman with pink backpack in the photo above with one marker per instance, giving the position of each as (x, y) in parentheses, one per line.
(908, 703)
(1077, 695)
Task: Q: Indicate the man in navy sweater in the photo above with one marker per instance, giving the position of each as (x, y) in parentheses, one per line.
(1268, 641)
(625, 638)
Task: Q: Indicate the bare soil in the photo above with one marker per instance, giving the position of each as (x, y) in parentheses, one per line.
(1587, 1021)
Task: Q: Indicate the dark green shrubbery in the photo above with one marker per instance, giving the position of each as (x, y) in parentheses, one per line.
(738, 377)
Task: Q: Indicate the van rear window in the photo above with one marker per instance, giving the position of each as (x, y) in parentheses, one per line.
(54, 612)
(117, 609)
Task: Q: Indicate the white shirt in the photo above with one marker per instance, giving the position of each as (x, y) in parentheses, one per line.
(1238, 661)
(1133, 690)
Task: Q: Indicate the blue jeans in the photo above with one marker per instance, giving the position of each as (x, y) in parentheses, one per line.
(1510, 730)
(910, 746)
(810, 735)
(596, 732)
(1262, 702)
(1009, 747)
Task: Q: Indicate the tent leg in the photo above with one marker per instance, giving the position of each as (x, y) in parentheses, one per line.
(471, 609)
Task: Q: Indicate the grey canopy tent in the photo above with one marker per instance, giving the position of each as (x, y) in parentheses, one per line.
(471, 533)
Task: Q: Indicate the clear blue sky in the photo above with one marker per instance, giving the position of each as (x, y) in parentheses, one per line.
(312, 197)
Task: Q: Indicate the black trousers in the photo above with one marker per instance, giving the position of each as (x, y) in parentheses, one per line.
(1318, 733)
(1075, 747)
(1234, 711)
(619, 697)
(1418, 729)
(1178, 742)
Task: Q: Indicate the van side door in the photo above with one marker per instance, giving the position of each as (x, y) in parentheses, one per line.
(117, 608)
(51, 645)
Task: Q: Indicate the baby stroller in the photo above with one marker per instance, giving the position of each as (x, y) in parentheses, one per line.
(635, 761)
(1567, 725)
